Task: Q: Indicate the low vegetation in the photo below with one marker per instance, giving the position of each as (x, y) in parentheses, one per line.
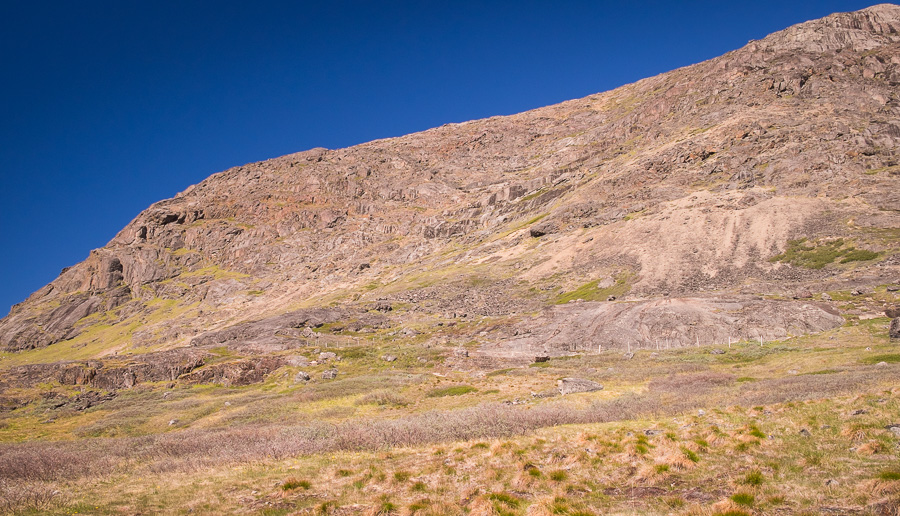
(817, 255)
(680, 431)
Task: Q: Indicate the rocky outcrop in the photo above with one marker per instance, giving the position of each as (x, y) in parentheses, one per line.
(668, 323)
(575, 385)
(235, 373)
(117, 373)
(894, 331)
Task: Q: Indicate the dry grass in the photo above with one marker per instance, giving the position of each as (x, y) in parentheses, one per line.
(374, 442)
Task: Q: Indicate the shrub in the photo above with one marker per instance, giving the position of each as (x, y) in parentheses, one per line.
(383, 397)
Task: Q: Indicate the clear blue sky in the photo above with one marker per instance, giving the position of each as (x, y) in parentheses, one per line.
(107, 107)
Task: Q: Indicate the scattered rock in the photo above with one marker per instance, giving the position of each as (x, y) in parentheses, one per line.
(461, 352)
(383, 306)
(859, 412)
(388, 358)
(329, 374)
(549, 393)
(717, 351)
(611, 298)
(302, 376)
(831, 482)
(650, 432)
(173, 422)
(701, 412)
(894, 428)
(826, 297)
(804, 432)
(573, 385)
(893, 312)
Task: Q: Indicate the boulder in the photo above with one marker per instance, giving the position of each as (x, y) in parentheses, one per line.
(325, 356)
(893, 312)
(297, 361)
(542, 358)
(329, 374)
(388, 358)
(302, 376)
(543, 228)
(573, 385)
(895, 328)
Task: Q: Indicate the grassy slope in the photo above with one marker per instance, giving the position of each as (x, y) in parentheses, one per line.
(749, 442)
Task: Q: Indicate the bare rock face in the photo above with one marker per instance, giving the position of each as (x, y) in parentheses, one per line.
(669, 323)
(689, 200)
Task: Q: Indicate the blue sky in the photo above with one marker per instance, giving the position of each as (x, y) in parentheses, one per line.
(107, 107)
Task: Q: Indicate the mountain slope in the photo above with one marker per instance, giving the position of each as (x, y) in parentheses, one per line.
(696, 184)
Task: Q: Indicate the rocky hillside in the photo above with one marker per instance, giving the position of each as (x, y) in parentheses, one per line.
(716, 202)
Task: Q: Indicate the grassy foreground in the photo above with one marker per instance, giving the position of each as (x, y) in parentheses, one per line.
(802, 426)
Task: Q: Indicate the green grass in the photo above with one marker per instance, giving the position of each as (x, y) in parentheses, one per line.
(817, 255)
(691, 456)
(745, 499)
(890, 475)
(859, 255)
(590, 291)
(293, 483)
(558, 475)
(890, 358)
(455, 390)
(754, 478)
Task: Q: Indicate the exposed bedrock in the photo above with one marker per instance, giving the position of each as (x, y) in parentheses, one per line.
(668, 323)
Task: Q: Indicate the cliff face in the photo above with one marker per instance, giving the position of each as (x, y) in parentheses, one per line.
(694, 184)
